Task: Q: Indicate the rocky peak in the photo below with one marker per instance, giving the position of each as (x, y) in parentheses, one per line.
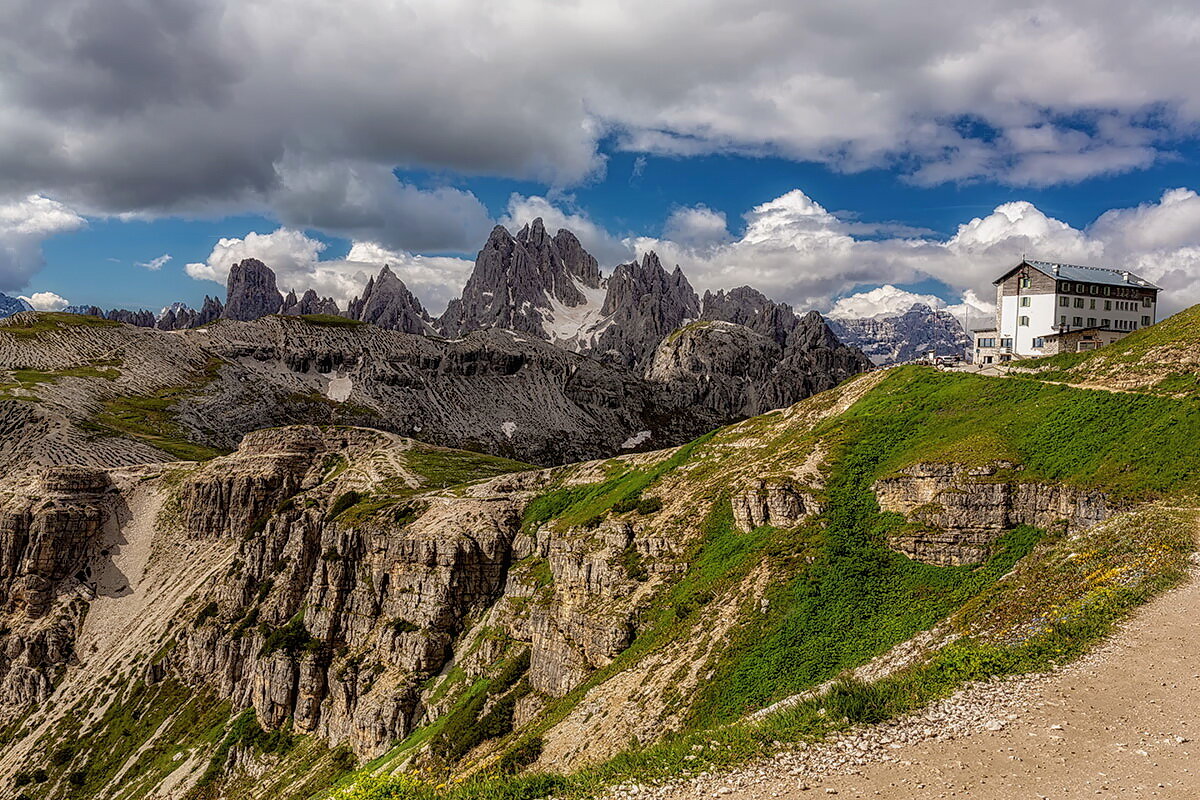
(525, 283)
(251, 291)
(643, 304)
(750, 307)
(387, 303)
(309, 303)
(12, 305)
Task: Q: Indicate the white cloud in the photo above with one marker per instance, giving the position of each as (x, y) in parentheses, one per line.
(46, 301)
(883, 301)
(24, 224)
(696, 226)
(796, 251)
(156, 263)
(237, 105)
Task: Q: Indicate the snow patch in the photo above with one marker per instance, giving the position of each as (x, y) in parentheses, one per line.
(576, 325)
(339, 388)
(635, 440)
(508, 428)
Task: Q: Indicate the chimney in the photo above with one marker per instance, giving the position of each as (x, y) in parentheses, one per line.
(1125, 276)
(1056, 269)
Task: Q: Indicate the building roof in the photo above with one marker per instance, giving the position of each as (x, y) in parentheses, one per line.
(1076, 272)
(1088, 329)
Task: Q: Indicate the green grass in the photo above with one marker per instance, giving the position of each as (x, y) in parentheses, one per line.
(331, 321)
(1127, 444)
(150, 418)
(441, 468)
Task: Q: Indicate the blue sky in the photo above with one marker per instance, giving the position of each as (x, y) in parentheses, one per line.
(814, 152)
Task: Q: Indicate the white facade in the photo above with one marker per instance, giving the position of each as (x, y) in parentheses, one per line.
(1037, 300)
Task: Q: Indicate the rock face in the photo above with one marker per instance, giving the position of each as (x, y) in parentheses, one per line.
(251, 291)
(388, 303)
(643, 304)
(532, 282)
(12, 305)
(904, 337)
(48, 532)
(966, 509)
(776, 503)
(729, 366)
(309, 303)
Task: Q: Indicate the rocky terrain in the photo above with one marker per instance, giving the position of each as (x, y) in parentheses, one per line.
(83, 390)
(904, 337)
(262, 623)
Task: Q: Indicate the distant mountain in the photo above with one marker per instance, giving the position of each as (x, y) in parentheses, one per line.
(904, 337)
(12, 305)
(387, 303)
(534, 283)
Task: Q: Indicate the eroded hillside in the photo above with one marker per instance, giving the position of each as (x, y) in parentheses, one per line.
(330, 599)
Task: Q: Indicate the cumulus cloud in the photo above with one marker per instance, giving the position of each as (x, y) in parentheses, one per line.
(299, 108)
(24, 224)
(155, 264)
(296, 260)
(795, 250)
(46, 301)
(696, 226)
(882, 301)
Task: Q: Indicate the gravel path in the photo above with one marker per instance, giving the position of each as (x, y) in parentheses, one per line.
(1119, 723)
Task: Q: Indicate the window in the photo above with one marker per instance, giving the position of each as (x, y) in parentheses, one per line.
(1023, 321)
(1077, 322)
(1093, 305)
(1091, 322)
(1038, 343)
(1062, 320)
(1146, 301)
(1145, 320)
(1064, 302)
(1025, 302)
(1107, 291)
(988, 342)
(1106, 323)
(1005, 341)
(1108, 305)
(1024, 281)
(1079, 302)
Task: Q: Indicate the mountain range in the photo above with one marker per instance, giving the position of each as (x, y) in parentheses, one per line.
(549, 287)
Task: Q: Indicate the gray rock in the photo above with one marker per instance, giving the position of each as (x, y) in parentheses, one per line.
(643, 304)
(251, 291)
(388, 303)
(517, 281)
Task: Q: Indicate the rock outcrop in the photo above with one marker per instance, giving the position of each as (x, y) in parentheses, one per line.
(964, 510)
(387, 303)
(777, 503)
(309, 303)
(644, 303)
(251, 292)
(729, 366)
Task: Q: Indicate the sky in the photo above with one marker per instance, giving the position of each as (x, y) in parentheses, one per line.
(852, 157)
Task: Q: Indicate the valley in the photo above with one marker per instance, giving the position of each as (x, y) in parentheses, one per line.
(343, 605)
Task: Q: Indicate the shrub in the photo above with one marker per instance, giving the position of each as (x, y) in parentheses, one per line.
(649, 505)
(343, 503)
(292, 639)
(526, 752)
(206, 613)
(401, 625)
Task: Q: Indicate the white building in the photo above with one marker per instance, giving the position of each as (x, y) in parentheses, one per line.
(1044, 308)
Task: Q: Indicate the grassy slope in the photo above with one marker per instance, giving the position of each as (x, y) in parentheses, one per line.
(1161, 359)
(840, 596)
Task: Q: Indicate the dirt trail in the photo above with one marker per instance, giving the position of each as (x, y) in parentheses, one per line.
(1124, 722)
